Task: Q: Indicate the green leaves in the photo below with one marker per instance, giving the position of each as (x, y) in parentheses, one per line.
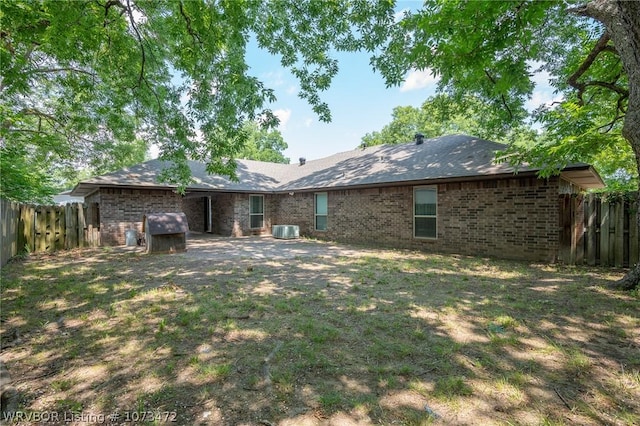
(495, 54)
(441, 115)
(84, 79)
(263, 145)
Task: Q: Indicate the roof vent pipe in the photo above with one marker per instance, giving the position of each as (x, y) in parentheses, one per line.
(419, 138)
(303, 161)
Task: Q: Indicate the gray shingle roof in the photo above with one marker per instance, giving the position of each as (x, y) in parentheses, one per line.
(446, 157)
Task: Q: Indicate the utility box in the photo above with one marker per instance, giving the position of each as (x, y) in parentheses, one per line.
(165, 232)
(131, 237)
(285, 231)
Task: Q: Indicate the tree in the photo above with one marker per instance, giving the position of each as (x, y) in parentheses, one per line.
(263, 145)
(590, 51)
(83, 79)
(22, 178)
(441, 115)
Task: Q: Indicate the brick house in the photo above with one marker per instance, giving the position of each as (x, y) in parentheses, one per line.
(443, 195)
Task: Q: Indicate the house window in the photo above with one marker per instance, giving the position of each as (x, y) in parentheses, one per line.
(425, 212)
(256, 211)
(321, 211)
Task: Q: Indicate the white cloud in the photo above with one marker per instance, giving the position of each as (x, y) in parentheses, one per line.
(154, 151)
(418, 79)
(543, 94)
(283, 115)
(292, 90)
(308, 122)
(542, 97)
(274, 78)
(400, 14)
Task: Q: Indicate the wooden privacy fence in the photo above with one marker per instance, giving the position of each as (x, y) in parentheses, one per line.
(46, 228)
(595, 231)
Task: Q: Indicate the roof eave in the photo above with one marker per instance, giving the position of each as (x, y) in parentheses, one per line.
(583, 176)
(83, 189)
(426, 181)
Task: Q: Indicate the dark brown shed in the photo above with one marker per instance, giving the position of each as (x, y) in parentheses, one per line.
(165, 232)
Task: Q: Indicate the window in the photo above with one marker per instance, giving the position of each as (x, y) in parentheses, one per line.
(321, 211)
(256, 211)
(425, 211)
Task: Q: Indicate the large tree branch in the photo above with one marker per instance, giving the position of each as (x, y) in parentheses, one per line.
(589, 60)
(140, 42)
(60, 69)
(37, 113)
(187, 20)
(600, 46)
(108, 5)
(502, 97)
(143, 54)
(609, 126)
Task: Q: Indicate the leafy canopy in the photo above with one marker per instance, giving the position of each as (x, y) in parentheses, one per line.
(443, 115)
(84, 80)
(263, 145)
(496, 53)
(88, 82)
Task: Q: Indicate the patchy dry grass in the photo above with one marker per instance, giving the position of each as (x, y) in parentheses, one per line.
(390, 337)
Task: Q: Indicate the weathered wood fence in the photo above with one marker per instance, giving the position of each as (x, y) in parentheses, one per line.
(46, 228)
(595, 231)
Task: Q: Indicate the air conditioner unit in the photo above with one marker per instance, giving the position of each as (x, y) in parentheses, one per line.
(285, 232)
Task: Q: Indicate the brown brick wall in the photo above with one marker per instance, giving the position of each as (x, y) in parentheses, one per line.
(296, 209)
(231, 214)
(193, 208)
(510, 218)
(122, 209)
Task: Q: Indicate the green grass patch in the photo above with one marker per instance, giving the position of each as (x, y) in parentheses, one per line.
(372, 339)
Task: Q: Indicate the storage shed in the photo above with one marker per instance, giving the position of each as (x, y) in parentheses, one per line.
(165, 232)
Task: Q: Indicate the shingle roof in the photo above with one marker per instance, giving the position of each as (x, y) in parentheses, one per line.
(446, 157)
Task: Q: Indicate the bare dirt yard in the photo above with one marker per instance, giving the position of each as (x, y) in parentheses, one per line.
(257, 331)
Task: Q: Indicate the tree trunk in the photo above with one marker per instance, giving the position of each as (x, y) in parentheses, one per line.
(622, 20)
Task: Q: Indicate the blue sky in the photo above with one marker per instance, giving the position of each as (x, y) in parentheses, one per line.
(358, 99)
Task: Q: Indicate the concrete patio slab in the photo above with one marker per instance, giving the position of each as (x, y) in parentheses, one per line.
(265, 248)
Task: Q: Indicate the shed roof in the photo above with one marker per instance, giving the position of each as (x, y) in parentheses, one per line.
(446, 157)
(166, 223)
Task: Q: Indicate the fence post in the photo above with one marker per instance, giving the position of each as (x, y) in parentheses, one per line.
(81, 226)
(579, 231)
(29, 219)
(71, 236)
(634, 256)
(60, 227)
(51, 229)
(591, 240)
(604, 233)
(9, 217)
(618, 250)
(41, 228)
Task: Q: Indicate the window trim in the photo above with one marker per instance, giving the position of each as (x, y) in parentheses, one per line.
(434, 216)
(256, 214)
(315, 211)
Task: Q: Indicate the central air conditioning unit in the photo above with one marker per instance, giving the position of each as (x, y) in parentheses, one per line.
(285, 232)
